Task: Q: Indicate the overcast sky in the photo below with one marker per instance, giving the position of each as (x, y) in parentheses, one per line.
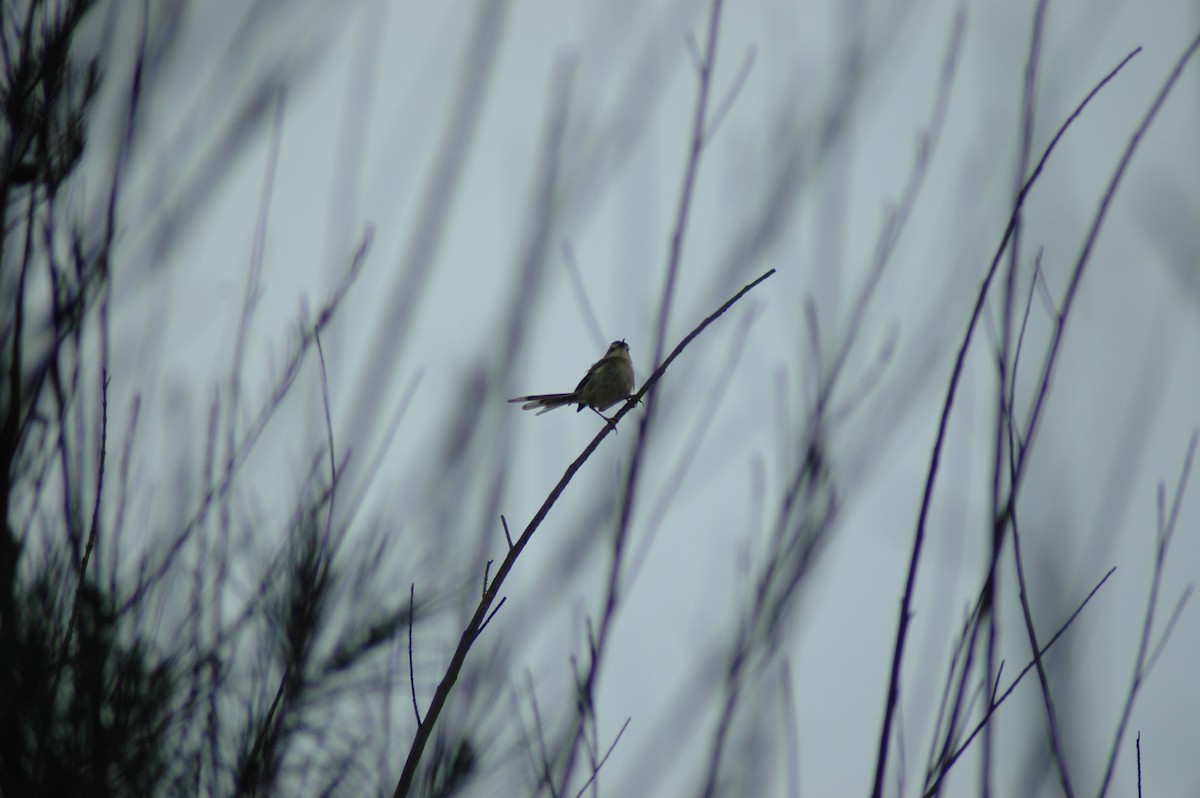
(806, 162)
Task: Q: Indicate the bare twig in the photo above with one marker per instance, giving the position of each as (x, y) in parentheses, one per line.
(412, 681)
(897, 219)
(935, 784)
(546, 774)
(1043, 679)
(603, 759)
(581, 298)
(442, 183)
(1170, 627)
(1090, 241)
(731, 96)
(333, 473)
(705, 65)
(1165, 533)
(1004, 434)
(91, 539)
(1139, 763)
(491, 615)
(154, 573)
(483, 611)
(686, 193)
(905, 613)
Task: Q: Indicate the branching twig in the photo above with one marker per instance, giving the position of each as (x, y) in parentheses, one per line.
(153, 574)
(1004, 433)
(905, 614)
(475, 624)
(1090, 242)
(948, 762)
(1165, 533)
(603, 759)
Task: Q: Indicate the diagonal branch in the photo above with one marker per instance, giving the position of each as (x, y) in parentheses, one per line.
(475, 625)
(994, 703)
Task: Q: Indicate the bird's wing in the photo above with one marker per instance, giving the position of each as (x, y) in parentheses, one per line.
(591, 370)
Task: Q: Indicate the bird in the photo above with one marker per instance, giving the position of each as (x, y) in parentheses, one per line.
(609, 380)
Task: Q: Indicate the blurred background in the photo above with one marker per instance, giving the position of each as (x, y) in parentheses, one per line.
(272, 269)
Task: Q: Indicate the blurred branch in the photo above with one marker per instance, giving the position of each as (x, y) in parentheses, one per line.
(236, 458)
(94, 528)
(581, 299)
(705, 65)
(545, 776)
(436, 196)
(603, 759)
(682, 215)
(1166, 530)
(897, 219)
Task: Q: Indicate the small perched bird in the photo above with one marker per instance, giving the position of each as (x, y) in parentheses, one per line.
(608, 381)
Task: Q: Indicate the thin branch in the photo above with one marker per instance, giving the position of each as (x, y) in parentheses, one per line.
(91, 539)
(581, 298)
(491, 615)
(949, 761)
(896, 220)
(475, 625)
(1139, 669)
(1139, 763)
(683, 213)
(1170, 628)
(153, 574)
(941, 717)
(675, 475)
(1003, 430)
(1043, 679)
(507, 535)
(412, 681)
(1034, 282)
(1093, 235)
(603, 759)
(731, 96)
(905, 614)
(442, 183)
(123, 488)
(333, 475)
(541, 735)
(666, 302)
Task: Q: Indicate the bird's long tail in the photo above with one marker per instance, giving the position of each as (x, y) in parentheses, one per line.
(546, 401)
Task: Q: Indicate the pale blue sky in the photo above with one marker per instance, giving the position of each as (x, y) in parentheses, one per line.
(1118, 422)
